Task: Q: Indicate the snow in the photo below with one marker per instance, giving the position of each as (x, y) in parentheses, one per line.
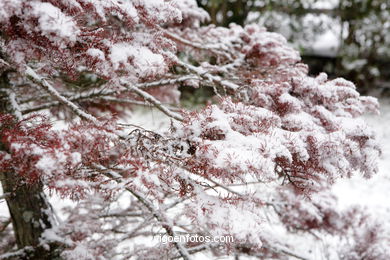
(53, 21)
(79, 252)
(328, 43)
(96, 53)
(325, 4)
(189, 8)
(48, 164)
(159, 10)
(144, 61)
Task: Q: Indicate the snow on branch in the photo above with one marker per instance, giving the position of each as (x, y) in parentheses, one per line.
(208, 76)
(15, 108)
(53, 92)
(163, 82)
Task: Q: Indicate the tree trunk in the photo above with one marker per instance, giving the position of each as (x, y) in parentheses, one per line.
(30, 211)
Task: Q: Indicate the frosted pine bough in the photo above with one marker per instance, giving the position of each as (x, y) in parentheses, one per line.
(257, 164)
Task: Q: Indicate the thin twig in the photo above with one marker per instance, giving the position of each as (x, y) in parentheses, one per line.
(134, 102)
(217, 49)
(5, 224)
(154, 101)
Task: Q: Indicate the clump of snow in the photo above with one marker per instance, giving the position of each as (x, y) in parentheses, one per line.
(93, 52)
(142, 59)
(51, 21)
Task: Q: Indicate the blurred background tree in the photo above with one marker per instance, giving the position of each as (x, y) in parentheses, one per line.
(348, 38)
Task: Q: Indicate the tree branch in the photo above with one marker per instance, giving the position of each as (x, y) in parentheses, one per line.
(54, 93)
(14, 104)
(218, 49)
(107, 94)
(5, 224)
(133, 102)
(208, 76)
(153, 100)
(165, 82)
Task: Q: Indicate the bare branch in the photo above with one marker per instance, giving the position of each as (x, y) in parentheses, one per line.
(154, 101)
(218, 49)
(5, 224)
(122, 215)
(140, 226)
(134, 102)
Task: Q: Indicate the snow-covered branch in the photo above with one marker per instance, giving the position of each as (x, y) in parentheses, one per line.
(53, 92)
(164, 82)
(208, 76)
(14, 105)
